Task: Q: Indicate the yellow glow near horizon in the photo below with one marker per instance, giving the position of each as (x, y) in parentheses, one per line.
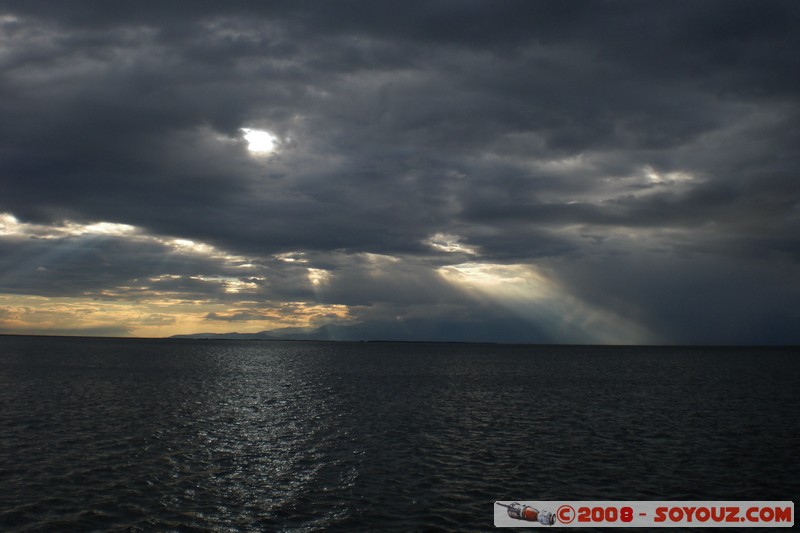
(260, 141)
(38, 315)
(155, 304)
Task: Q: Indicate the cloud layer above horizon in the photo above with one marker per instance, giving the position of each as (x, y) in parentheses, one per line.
(611, 172)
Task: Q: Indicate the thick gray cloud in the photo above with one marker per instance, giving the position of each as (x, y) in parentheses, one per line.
(640, 158)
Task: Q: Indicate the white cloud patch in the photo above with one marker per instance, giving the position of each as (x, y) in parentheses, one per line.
(449, 243)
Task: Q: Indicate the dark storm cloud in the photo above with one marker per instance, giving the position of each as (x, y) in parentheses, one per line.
(695, 297)
(92, 265)
(576, 136)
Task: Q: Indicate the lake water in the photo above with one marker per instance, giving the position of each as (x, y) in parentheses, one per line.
(184, 435)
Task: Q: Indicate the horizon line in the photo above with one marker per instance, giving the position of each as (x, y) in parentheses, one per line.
(191, 337)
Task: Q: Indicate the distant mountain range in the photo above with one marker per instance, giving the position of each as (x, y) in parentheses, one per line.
(328, 332)
(363, 331)
(512, 331)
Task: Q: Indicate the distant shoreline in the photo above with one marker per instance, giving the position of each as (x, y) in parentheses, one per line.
(389, 341)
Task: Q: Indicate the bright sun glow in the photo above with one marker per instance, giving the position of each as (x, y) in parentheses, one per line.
(259, 141)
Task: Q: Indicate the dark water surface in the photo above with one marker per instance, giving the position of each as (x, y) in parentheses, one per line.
(144, 435)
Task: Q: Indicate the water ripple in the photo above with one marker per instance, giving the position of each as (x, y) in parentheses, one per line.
(117, 435)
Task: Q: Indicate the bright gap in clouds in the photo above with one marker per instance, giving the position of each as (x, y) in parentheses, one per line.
(259, 141)
(529, 293)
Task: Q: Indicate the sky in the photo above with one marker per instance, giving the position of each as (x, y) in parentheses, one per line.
(509, 171)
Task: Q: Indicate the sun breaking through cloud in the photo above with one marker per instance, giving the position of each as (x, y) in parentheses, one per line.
(259, 141)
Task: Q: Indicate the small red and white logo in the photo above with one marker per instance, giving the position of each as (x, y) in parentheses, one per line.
(517, 511)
